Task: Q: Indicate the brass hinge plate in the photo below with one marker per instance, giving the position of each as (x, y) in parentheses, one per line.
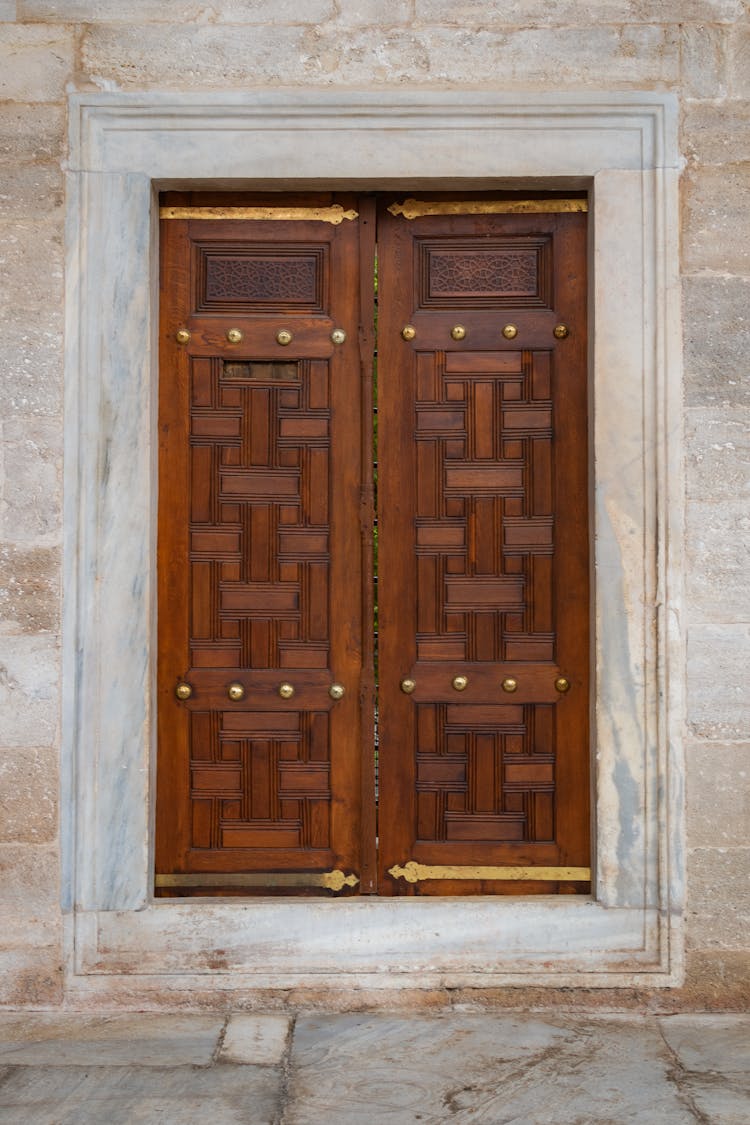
(418, 208)
(334, 214)
(414, 872)
(330, 880)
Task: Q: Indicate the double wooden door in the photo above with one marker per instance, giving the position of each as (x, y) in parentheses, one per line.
(373, 546)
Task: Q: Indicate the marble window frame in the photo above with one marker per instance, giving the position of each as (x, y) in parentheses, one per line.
(124, 148)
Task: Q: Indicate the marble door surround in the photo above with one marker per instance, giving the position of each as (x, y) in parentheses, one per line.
(124, 149)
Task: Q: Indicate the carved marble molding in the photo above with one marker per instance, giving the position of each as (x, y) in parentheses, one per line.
(123, 149)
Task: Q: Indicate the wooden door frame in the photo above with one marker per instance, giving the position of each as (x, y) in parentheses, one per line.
(622, 146)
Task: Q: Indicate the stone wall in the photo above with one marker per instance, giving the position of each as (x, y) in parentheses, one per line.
(700, 49)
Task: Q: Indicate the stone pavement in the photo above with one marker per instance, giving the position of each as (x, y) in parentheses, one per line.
(491, 1068)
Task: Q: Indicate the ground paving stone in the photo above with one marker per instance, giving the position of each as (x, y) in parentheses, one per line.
(493, 1068)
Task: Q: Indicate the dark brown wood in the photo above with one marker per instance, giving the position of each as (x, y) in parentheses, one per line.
(260, 548)
(483, 521)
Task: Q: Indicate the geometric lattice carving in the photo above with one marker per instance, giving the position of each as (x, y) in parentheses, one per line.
(485, 773)
(260, 779)
(259, 560)
(485, 531)
(501, 273)
(259, 278)
(259, 574)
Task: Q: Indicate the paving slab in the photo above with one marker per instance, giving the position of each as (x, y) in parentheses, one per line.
(122, 1039)
(123, 1095)
(497, 1070)
(713, 1056)
(261, 1040)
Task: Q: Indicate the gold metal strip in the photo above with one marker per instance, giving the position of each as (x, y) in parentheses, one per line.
(416, 208)
(416, 872)
(334, 214)
(331, 880)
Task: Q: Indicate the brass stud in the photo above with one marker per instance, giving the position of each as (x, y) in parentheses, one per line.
(458, 332)
(336, 691)
(182, 336)
(183, 690)
(408, 686)
(560, 331)
(408, 332)
(510, 685)
(510, 332)
(236, 692)
(284, 337)
(286, 691)
(562, 685)
(338, 336)
(234, 336)
(460, 683)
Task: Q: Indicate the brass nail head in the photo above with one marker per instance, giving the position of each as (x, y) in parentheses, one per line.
(183, 691)
(336, 691)
(560, 331)
(510, 685)
(236, 692)
(408, 686)
(182, 336)
(234, 336)
(283, 337)
(338, 336)
(286, 691)
(458, 332)
(561, 684)
(460, 683)
(408, 332)
(510, 332)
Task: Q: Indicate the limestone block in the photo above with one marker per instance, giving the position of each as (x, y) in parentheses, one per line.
(718, 914)
(718, 979)
(28, 795)
(31, 132)
(718, 703)
(717, 340)
(181, 11)
(31, 975)
(37, 62)
(31, 260)
(28, 191)
(716, 219)
(381, 13)
(718, 794)
(7, 11)
(718, 455)
(30, 495)
(204, 56)
(739, 61)
(29, 674)
(718, 561)
(572, 12)
(716, 133)
(29, 881)
(704, 65)
(29, 589)
(31, 371)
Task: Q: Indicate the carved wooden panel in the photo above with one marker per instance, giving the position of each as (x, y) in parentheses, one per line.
(255, 278)
(497, 273)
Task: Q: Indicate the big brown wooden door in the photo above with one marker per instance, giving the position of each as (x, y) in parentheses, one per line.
(266, 779)
(483, 550)
(260, 548)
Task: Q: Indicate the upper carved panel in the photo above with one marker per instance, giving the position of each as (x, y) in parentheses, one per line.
(260, 278)
(502, 273)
